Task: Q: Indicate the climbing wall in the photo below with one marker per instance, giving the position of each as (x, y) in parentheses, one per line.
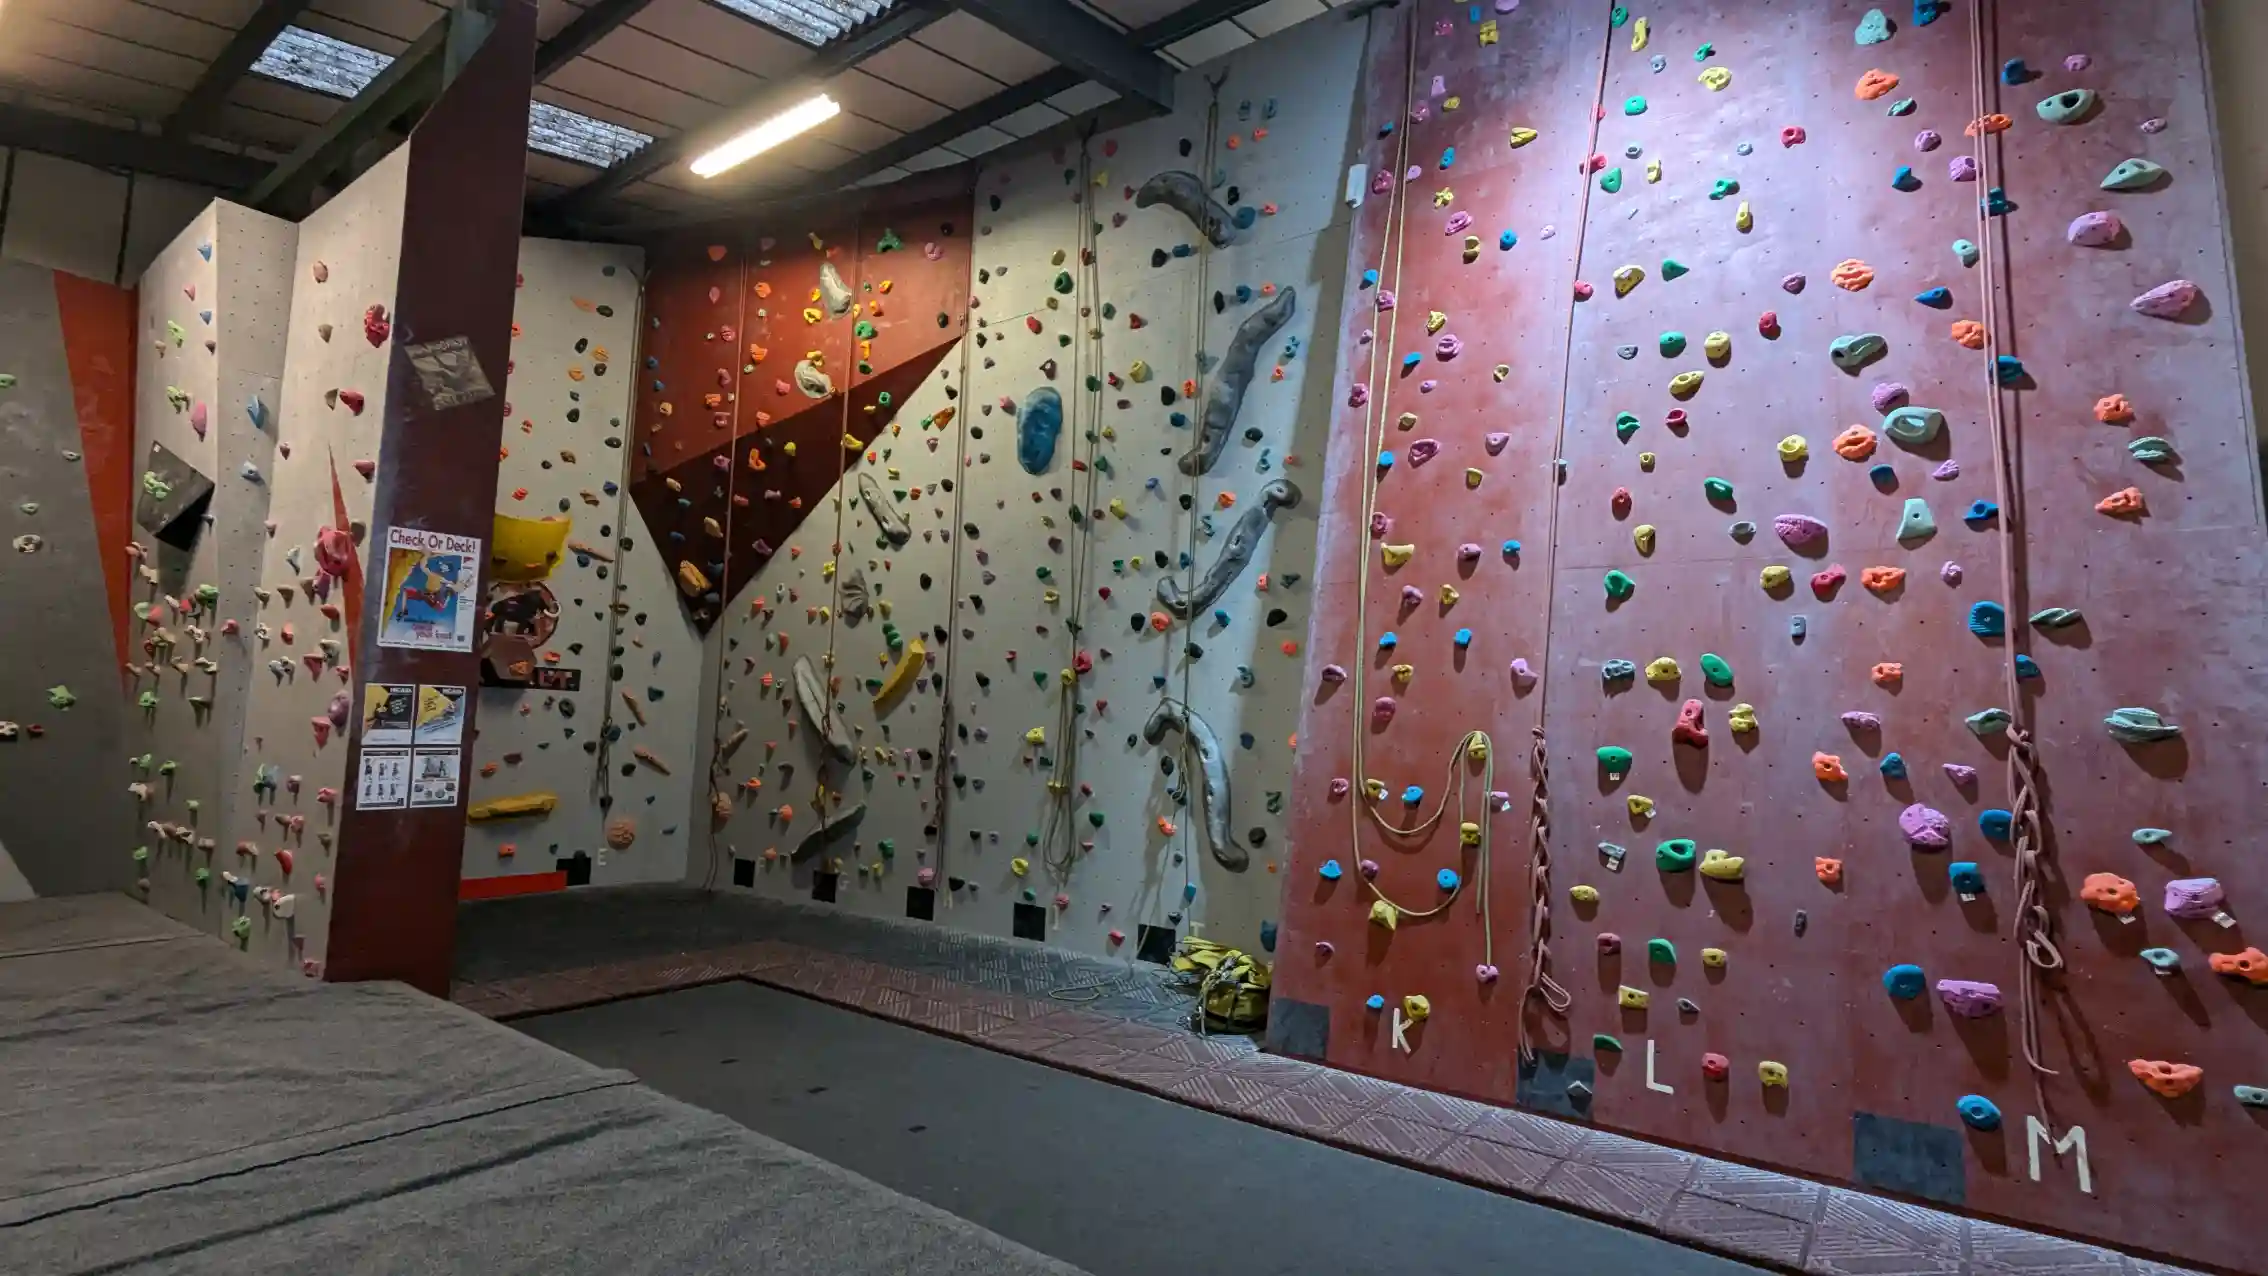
(1046, 582)
(620, 663)
(213, 307)
(1755, 575)
(66, 435)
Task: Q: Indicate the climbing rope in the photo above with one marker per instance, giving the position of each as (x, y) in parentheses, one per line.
(2035, 923)
(717, 711)
(940, 777)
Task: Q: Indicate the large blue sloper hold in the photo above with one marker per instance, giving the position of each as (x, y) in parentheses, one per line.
(1037, 428)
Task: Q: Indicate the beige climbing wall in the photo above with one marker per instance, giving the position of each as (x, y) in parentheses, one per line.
(1125, 871)
(211, 332)
(573, 368)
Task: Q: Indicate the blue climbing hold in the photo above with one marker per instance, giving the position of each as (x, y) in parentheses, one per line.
(1387, 640)
(1152, 484)
(1243, 293)
(1220, 615)
(2013, 71)
(1996, 824)
(1978, 1112)
(1512, 549)
(1331, 872)
(1883, 476)
(1980, 511)
(1413, 795)
(1507, 239)
(1245, 217)
(1967, 878)
(1904, 981)
(1037, 428)
(1183, 250)
(1188, 892)
(1247, 740)
(1904, 179)
(1446, 879)
(1411, 360)
(1268, 936)
(1893, 766)
(1997, 204)
(1939, 298)
(1988, 619)
(2026, 668)
(1464, 637)
(1925, 12)
(1385, 460)
(1375, 1002)
(1448, 157)
(2007, 369)
(1370, 279)
(1798, 627)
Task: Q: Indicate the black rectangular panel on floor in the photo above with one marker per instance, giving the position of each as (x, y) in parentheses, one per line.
(1543, 1085)
(921, 903)
(1299, 1028)
(1908, 1156)
(1030, 922)
(823, 886)
(743, 872)
(1155, 943)
(577, 867)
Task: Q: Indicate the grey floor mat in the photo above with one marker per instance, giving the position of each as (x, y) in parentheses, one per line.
(78, 921)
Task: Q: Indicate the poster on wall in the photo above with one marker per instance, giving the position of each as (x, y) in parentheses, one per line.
(433, 779)
(431, 597)
(389, 713)
(383, 780)
(440, 715)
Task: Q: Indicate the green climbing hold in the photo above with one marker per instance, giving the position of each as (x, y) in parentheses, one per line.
(2152, 837)
(1615, 761)
(863, 329)
(1672, 344)
(1966, 251)
(2055, 617)
(1722, 187)
(1917, 523)
(7, 380)
(1030, 896)
(241, 927)
(1716, 489)
(1715, 670)
(202, 876)
(1610, 181)
(1634, 105)
(1672, 268)
(2139, 726)
(60, 697)
(1874, 28)
(141, 855)
(1661, 950)
(1620, 15)
(1913, 426)
(1855, 350)
(1989, 721)
(1031, 839)
(1619, 586)
(2151, 450)
(2132, 175)
(889, 243)
(1063, 281)
(1625, 425)
(1704, 53)
(1676, 855)
(1601, 1041)
(2067, 107)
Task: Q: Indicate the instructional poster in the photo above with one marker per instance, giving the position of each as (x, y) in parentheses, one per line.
(433, 779)
(383, 782)
(389, 713)
(431, 595)
(440, 715)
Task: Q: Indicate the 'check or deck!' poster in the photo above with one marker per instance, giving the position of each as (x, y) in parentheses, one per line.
(432, 590)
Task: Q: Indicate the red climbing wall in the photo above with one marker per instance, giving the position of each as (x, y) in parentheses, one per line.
(2170, 600)
(712, 307)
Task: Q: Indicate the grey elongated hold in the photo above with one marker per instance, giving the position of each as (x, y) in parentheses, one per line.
(894, 527)
(1179, 190)
(814, 383)
(1172, 715)
(853, 597)
(811, 697)
(828, 831)
(833, 290)
(1224, 396)
(1235, 556)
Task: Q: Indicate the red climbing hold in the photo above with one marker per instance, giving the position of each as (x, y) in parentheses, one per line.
(1689, 729)
(1582, 291)
(1824, 583)
(1792, 135)
(1621, 501)
(1768, 323)
(1032, 322)
(1715, 1066)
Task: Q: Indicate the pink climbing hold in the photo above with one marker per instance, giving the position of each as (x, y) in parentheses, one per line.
(1485, 973)
(1428, 387)
(1415, 171)
(1457, 223)
(1382, 183)
(1380, 524)
(2168, 300)
(1424, 450)
(1334, 673)
(2094, 230)
(1323, 948)
(1357, 395)
(1950, 572)
(1385, 299)
(1926, 826)
(1689, 729)
(2155, 124)
(1928, 140)
(1469, 550)
(197, 419)
(2077, 62)
(1340, 787)
(1799, 530)
(1496, 440)
(1368, 868)
(1521, 672)
(1961, 774)
(1448, 346)
(1412, 595)
(1620, 501)
(1962, 168)
(1381, 710)
(366, 467)
(1791, 283)
(322, 728)
(1888, 394)
(1947, 470)
(376, 327)
(1969, 998)
(1792, 135)
(1768, 323)
(1609, 943)
(1861, 720)
(1824, 583)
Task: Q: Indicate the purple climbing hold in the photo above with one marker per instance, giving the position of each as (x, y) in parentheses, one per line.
(1448, 346)
(2194, 897)
(1423, 450)
(2155, 124)
(1334, 673)
(1791, 283)
(1860, 720)
(1469, 550)
(1927, 140)
(1962, 168)
(1925, 827)
(1496, 440)
(1969, 998)
(1381, 709)
(1946, 471)
(1888, 395)
(1457, 223)
(1950, 572)
(2094, 230)
(2077, 62)
(1961, 774)
(1799, 530)
(1521, 672)
(2166, 301)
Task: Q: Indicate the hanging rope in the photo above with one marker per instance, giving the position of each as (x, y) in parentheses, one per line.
(940, 778)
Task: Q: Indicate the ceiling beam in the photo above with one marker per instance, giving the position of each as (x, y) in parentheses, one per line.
(900, 22)
(412, 80)
(203, 102)
(589, 27)
(1083, 43)
(101, 146)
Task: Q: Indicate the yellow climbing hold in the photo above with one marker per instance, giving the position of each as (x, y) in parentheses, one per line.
(1717, 345)
(505, 808)
(1630, 998)
(1741, 718)
(1742, 219)
(1139, 372)
(1444, 197)
(1019, 866)
(1403, 673)
(1384, 914)
(1521, 136)
(1776, 576)
(1662, 669)
(1684, 384)
(1643, 537)
(1449, 595)
(1793, 448)
(1487, 32)
(1637, 35)
(1374, 789)
(1396, 555)
(1434, 320)
(1048, 596)
(811, 314)
(1476, 747)
(1469, 833)
(851, 443)
(1452, 102)
(1037, 735)
(1472, 477)
(1723, 867)
(1716, 78)
(1714, 958)
(1641, 807)
(1646, 461)
(1653, 171)
(1627, 278)
(1771, 1073)
(1501, 371)
(1406, 421)
(1583, 894)
(1415, 1008)
(1118, 506)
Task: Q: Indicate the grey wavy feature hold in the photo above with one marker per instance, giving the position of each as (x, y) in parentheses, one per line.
(1224, 397)
(1179, 190)
(895, 528)
(1235, 556)
(811, 698)
(1212, 768)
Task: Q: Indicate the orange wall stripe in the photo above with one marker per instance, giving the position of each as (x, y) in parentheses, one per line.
(98, 342)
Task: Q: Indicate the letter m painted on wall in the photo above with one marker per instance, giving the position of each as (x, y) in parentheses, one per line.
(2074, 1141)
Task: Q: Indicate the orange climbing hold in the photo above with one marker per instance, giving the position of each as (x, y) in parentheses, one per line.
(1855, 444)
(1889, 674)
(1160, 621)
(1882, 579)
(1874, 84)
(1830, 871)
(2166, 1080)
(1969, 333)
(2251, 966)
(716, 252)
(2126, 503)
(2113, 409)
(1985, 124)
(1851, 274)
(2110, 893)
(1828, 768)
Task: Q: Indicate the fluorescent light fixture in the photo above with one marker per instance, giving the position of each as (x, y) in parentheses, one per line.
(796, 119)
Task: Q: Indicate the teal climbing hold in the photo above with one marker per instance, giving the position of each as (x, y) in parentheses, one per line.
(1893, 766)
(1676, 855)
(1904, 981)
(1912, 425)
(1966, 877)
(2056, 617)
(1602, 1041)
(2007, 369)
(1966, 251)
(2150, 450)
(1617, 670)
(2132, 175)
(1715, 670)
(1722, 187)
(1935, 298)
(1619, 15)
(1978, 1112)
(1716, 489)
(1625, 425)
(1989, 721)
(1615, 761)
(1853, 351)
(2252, 1096)
(2026, 668)
(2067, 107)
(1996, 203)
(1634, 105)
(1672, 344)
(1917, 523)
(1874, 28)
(1904, 179)
(1903, 106)
(2163, 960)
(1619, 585)
(2152, 837)
(2139, 726)
(1988, 619)
(1996, 823)
(1037, 428)
(1610, 181)
(1672, 268)
(1661, 950)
